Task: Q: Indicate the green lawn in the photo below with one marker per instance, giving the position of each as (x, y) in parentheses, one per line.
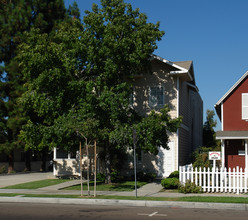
(215, 199)
(125, 186)
(37, 184)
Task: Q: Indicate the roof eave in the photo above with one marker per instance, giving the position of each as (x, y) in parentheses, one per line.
(178, 72)
(220, 102)
(232, 88)
(221, 135)
(182, 74)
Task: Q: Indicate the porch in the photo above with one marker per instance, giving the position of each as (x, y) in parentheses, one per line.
(234, 148)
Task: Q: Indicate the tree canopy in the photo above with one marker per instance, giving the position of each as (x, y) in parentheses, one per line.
(17, 17)
(79, 78)
(209, 136)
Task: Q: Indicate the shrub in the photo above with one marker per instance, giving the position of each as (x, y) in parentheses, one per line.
(140, 176)
(189, 187)
(146, 177)
(3, 169)
(100, 177)
(149, 177)
(174, 174)
(170, 183)
(116, 177)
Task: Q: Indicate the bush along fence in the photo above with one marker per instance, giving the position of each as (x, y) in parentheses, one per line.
(216, 180)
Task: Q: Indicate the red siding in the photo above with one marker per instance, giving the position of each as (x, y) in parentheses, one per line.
(232, 158)
(235, 160)
(232, 109)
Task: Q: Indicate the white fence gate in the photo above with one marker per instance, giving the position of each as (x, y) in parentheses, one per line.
(216, 180)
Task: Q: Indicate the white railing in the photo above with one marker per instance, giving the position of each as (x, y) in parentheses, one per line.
(216, 180)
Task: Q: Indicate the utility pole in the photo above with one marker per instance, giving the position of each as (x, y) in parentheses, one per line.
(88, 167)
(94, 168)
(81, 172)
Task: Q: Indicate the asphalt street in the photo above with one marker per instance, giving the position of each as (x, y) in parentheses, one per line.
(24, 211)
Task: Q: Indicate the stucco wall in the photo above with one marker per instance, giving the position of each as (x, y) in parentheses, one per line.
(190, 133)
(196, 119)
(159, 77)
(184, 105)
(66, 167)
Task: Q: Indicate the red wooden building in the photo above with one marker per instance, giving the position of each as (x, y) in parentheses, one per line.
(232, 109)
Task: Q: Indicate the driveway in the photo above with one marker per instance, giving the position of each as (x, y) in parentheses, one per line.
(12, 179)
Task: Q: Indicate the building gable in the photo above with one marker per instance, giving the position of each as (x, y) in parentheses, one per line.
(232, 108)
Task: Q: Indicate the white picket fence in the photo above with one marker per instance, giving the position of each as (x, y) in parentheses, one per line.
(216, 180)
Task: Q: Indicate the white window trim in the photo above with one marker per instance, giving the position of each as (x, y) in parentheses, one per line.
(149, 96)
(244, 106)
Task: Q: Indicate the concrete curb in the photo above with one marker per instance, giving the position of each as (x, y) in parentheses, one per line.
(144, 203)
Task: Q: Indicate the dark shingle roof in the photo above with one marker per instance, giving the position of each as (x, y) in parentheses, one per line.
(184, 64)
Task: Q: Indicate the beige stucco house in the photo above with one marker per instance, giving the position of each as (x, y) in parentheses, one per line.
(171, 83)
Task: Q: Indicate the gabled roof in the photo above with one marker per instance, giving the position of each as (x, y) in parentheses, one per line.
(184, 64)
(218, 104)
(183, 68)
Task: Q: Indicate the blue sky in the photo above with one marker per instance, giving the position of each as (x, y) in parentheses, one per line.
(212, 33)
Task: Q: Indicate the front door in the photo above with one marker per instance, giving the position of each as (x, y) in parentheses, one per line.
(166, 160)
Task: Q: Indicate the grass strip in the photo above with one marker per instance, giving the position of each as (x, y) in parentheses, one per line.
(37, 184)
(215, 199)
(240, 200)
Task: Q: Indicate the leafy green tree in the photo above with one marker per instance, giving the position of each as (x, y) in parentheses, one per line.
(119, 41)
(200, 156)
(80, 77)
(16, 17)
(52, 68)
(209, 136)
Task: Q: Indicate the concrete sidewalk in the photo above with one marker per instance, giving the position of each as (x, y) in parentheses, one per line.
(18, 178)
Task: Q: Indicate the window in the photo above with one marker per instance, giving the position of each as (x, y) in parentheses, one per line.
(244, 106)
(156, 96)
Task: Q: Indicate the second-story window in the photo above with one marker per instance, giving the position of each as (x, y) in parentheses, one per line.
(244, 106)
(156, 96)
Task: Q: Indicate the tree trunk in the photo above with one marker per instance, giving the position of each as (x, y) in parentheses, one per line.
(43, 160)
(11, 162)
(108, 166)
(28, 160)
